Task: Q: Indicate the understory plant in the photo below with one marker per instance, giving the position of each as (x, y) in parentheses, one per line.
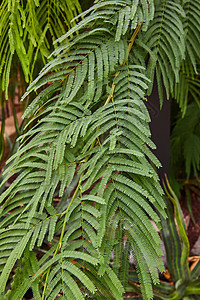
(185, 155)
(181, 280)
(87, 187)
(185, 120)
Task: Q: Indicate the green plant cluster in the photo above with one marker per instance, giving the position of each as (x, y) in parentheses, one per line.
(185, 142)
(185, 135)
(27, 32)
(25, 27)
(185, 154)
(87, 145)
(184, 280)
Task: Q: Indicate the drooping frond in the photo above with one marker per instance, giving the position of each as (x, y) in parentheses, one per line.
(125, 122)
(123, 14)
(87, 147)
(191, 26)
(188, 86)
(165, 43)
(187, 89)
(131, 82)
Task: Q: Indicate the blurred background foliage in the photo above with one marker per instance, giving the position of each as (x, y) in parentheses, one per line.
(28, 30)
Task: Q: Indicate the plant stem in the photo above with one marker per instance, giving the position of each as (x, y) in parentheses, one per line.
(63, 231)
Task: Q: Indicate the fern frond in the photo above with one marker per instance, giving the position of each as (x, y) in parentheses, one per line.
(18, 245)
(188, 86)
(165, 38)
(191, 27)
(88, 146)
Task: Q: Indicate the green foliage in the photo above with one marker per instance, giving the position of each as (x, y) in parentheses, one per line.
(166, 42)
(185, 142)
(192, 30)
(185, 154)
(187, 88)
(24, 30)
(184, 282)
(185, 164)
(88, 145)
(28, 30)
